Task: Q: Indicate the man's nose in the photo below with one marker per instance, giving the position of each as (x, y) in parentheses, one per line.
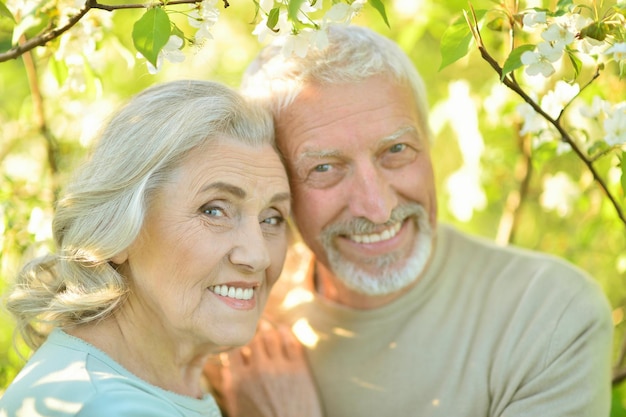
(371, 196)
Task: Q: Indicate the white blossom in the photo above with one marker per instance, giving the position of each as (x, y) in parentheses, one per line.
(204, 18)
(554, 101)
(299, 43)
(597, 108)
(534, 18)
(266, 5)
(313, 6)
(77, 49)
(40, 224)
(564, 28)
(282, 28)
(171, 52)
(533, 121)
(540, 62)
(560, 192)
(618, 50)
(558, 35)
(342, 12)
(615, 125)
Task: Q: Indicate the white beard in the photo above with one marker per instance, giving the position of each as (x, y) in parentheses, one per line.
(392, 274)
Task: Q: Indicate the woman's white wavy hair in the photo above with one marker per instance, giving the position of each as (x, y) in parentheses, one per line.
(103, 208)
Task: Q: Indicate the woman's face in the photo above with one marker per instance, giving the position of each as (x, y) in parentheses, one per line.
(211, 247)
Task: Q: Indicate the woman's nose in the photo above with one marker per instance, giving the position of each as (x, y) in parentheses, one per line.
(250, 250)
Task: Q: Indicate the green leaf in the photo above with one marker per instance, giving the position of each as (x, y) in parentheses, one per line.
(456, 40)
(595, 30)
(175, 30)
(564, 6)
(623, 167)
(576, 63)
(4, 11)
(498, 24)
(514, 60)
(151, 32)
(380, 7)
(597, 147)
(58, 69)
(272, 18)
(293, 8)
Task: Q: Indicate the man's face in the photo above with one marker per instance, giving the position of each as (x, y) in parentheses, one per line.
(362, 181)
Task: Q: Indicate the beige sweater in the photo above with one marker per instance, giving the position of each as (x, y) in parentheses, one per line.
(487, 332)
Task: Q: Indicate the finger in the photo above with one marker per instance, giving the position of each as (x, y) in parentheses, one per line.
(212, 371)
(242, 357)
(291, 346)
(272, 342)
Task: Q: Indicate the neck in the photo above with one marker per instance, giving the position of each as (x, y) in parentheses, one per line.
(147, 354)
(330, 287)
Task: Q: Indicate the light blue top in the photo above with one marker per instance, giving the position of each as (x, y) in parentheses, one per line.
(69, 377)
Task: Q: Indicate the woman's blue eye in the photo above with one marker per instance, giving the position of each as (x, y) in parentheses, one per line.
(274, 221)
(213, 211)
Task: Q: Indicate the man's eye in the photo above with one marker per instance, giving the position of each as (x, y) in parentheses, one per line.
(397, 148)
(322, 168)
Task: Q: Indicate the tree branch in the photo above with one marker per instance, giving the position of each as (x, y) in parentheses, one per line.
(511, 84)
(50, 34)
(509, 220)
(40, 118)
(619, 375)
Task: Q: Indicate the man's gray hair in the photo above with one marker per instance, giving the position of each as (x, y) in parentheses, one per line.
(354, 54)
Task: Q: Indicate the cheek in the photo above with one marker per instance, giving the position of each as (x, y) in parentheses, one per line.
(278, 252)
(417, 183)
(314, 209)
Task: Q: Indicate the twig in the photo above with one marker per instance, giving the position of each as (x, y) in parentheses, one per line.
(509, 220)
(619, 375)
(511, 84)
(50, 34)
(596, 74)
(39, 115)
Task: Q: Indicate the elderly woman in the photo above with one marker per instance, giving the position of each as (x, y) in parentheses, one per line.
(169, 240)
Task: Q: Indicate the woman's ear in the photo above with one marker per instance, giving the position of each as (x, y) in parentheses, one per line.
(120, 257)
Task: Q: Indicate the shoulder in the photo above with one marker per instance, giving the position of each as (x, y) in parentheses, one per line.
(515, 267)
(138, 402)
(126, 403)
(53, 381)
(520, 286)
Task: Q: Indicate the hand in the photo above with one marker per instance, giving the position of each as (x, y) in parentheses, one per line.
(267, 378)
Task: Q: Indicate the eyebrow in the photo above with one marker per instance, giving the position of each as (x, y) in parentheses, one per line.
(399, 133)
(227, 188)
(241, 194)
(329, 153)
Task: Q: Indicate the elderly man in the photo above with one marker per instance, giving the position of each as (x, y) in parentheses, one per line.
(400, 315)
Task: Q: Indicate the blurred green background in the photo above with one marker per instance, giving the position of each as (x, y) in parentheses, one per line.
(487, 185)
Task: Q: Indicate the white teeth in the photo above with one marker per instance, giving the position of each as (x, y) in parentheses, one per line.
(232, 292)
(377, 237)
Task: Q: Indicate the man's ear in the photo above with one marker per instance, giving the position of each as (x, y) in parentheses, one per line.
(120, 257)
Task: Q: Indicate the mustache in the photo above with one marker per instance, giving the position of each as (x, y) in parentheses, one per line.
(361, 225)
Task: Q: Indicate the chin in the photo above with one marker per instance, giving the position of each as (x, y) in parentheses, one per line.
(383, 276)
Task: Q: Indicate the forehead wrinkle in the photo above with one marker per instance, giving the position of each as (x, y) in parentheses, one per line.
(227, 188)
(333, 153)
(280, 197)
